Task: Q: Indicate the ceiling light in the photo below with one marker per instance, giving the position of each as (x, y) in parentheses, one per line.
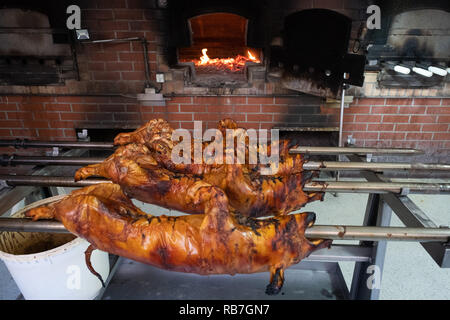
(82, 34)
(438, 70)
(422, 71)
(398, 67)
(402, 69)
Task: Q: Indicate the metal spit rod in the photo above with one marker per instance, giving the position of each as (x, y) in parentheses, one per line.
(12, 160)
(315, 186)
(354, 150)
(25, 143)
(374, 166)
(315, 232)
(49, 181)
(376, 187)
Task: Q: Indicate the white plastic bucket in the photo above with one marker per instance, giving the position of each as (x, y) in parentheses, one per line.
(59, 273)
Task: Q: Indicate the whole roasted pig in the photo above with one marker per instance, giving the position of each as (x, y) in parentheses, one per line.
(142, 166)
(216, 242)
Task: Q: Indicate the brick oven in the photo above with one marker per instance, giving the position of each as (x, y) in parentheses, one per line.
(300, 49)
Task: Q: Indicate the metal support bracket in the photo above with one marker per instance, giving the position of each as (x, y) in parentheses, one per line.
(378, 213)
(412, 216)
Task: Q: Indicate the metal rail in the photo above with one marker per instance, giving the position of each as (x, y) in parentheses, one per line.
(374, 166)
(25, 143)
(12, 160)
(318, 231)
(48, 181)
(314, 186)
(376, 187)
(354, 150)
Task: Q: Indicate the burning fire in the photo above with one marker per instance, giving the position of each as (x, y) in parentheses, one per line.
(224, 64)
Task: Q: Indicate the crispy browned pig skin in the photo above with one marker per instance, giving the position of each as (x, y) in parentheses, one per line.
(156, 134)
(249, 195)
(216, 242)
(145, 171)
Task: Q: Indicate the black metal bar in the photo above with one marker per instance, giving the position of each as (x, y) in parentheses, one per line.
(146, 64)
(74, 54)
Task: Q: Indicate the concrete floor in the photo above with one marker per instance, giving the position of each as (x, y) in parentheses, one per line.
(409, 273)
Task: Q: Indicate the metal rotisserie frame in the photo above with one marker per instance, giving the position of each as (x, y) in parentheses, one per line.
(374, 233)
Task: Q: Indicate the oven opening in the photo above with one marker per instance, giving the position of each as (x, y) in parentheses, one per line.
(219, 45)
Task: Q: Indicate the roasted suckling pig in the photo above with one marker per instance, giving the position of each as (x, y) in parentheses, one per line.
(142, 166)
(216, 242)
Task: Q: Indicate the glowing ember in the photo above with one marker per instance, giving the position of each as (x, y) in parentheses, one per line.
(236, 64)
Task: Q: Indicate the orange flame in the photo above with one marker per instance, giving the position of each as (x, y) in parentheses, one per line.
(232, 64)
(252, 57)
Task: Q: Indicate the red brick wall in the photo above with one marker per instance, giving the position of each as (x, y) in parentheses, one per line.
(422, 123)
(114, 69)
(118, 67)
(56, 117)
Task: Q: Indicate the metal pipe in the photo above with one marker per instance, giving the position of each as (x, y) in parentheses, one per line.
(25, 143)
(28, 225)
(47, 181)
(12, 160)
(315, 232)
(374, 166)
(376, 187)
(354, 150)
(112, 40)
(341, 118)
(145, 51)
(314, 186)
(378, 233)
(146, 64)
